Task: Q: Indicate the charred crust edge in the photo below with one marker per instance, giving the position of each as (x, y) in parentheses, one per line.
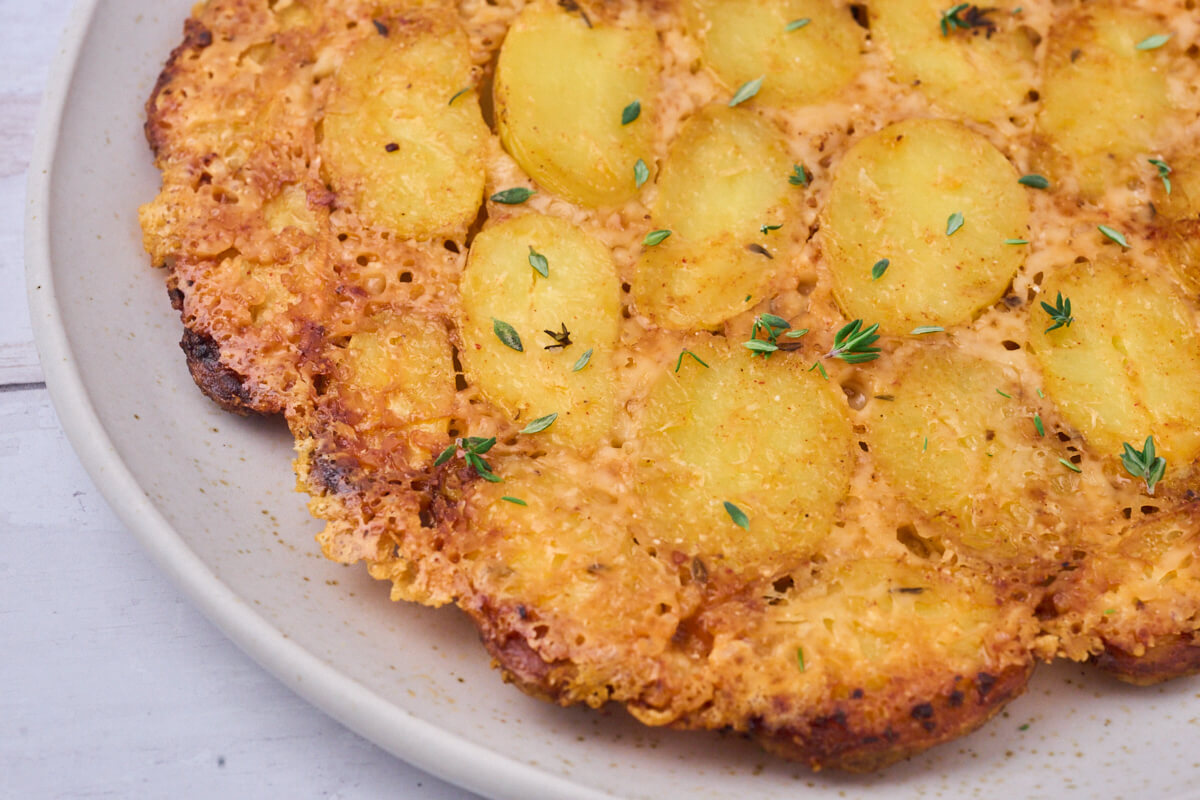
(1172, 657)
(196, 37)
(220, 383)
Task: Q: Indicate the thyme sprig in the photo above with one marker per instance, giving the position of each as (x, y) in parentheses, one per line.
(1144, 463)
(852, 343)
(1060, 312)
(473, 449)
(772, 327)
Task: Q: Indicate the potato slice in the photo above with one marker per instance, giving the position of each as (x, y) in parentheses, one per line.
(955, 447)
(406, 158)
(581, 292)
(562, 82)
(983, 72)
(762, 434)
(568, 556)
(742, 40)
(724, 179)
(1103, 101)
(1126, 367)
(867, 620)
(893, 196)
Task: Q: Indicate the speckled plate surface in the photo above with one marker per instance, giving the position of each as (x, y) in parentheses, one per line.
(211, 498)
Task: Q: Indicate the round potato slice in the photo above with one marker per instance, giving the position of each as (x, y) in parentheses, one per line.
(725, 179)
(408, 159)
(804, 50)
(884, 657)
(1126, 367)
(560, 547)
(982, 71)
(1104, 101)
(760, 434)
(563, 83)
(959, 441)
(938, 201)
(504, 295)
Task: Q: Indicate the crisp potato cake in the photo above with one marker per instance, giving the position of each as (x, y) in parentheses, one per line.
(802, 368)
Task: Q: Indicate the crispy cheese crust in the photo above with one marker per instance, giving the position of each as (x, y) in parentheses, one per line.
(848, 560)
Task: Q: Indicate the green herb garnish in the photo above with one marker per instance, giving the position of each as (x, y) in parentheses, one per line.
(696, 358)
(1016, 241)
(1115, 235)
(1034, 181)
(631, 112)
(737, 515)
(852, 343)
(539, 262)
(507, 334)
(1060, 312)
(924, 329)
(458, 94)
(514, 196)
(641, 173)
(655, 237)
(800, 658)
(1069, 465)
(540, 424)
(1004, 394)
(796, 24)
(583, 361)
(765, 229)
(772, 326)
(746, 91)
(473, 448)
(880, 267)
(1163, 172)
(562, 338)
(1153, 42)
(1037, 423)
(817, 365)
(516, 501)
(799, 176)
(1144, 463)
(954, 222)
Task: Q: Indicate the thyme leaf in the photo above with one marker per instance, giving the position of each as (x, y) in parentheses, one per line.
(583, 361)
(1060, 312)
(737, 515)
(539, 262)
(514, 196)
(507, 334)
(631, 112)
(1144, 463)
(746, 91)
(540, 424)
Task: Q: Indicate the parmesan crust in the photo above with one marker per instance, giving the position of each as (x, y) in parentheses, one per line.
(927, 544)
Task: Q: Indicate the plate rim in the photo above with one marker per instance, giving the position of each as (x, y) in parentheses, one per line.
(397, 731)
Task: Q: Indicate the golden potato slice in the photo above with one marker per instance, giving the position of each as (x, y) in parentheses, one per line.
(743, 40)
(1126, 367)
(762, 434)
(982, 72)
(500, 287)
(406, 158)
(568, 556)
(893, 197)
(562, 84)
(868, 620)
(724, 179)
(1103, 100)
(954, 446)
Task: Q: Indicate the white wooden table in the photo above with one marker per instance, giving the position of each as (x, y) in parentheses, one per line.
(111, 684)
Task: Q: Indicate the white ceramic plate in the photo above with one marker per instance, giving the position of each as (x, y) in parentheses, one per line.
(211, 498)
